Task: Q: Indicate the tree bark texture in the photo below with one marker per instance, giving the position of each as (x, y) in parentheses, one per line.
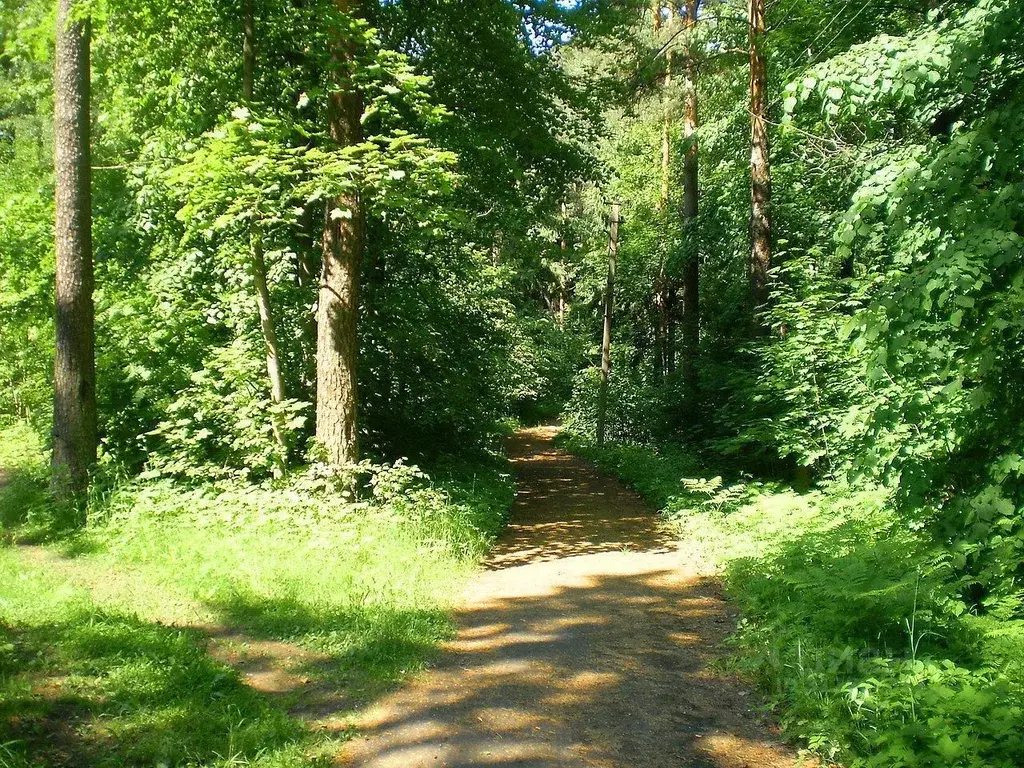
(760, 167)
(74, 375)
(343, 245)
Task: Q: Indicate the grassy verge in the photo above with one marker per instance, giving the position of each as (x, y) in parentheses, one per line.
(853, 625)
(222, 625)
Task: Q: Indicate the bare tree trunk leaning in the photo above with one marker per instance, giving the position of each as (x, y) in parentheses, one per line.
(606, 339)
(270, 346)
(74, 372)
(691, 269)
(277, 389)
(760, 168)
(343, 244)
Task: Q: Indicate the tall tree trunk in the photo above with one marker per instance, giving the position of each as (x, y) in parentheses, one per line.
(663, 288)
(760, 168)
(606, 338)
(258, 262)
(74, 373)
(691, 269)
(564, 244)
(343, 245)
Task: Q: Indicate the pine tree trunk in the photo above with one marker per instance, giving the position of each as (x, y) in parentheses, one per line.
(343, 245)
(74, 375)
(760, 168)
(606, 338)
(691, 269)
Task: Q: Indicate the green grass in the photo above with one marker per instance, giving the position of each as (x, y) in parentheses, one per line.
(108, 631)
(85, 684)
(853, 624)
(24, 502)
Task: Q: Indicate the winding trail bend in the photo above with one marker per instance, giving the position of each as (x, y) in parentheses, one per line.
(587, 641)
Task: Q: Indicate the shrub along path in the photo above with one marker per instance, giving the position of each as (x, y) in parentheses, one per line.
(588, 641)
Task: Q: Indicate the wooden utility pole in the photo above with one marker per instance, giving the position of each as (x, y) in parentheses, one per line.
(760, 168)
(337, 348)
(606, 339)
(74, 370)
(691, 269)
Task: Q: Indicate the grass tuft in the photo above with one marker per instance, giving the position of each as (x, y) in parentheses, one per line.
(140, 638)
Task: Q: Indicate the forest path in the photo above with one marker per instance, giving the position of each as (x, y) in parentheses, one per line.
(587, 641)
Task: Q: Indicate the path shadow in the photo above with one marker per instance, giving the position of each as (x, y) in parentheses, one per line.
(321, 664)
(610, 670)
(97, 687)
(565, 508)
(589, 641)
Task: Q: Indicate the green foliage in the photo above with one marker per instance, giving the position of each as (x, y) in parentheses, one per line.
(895, 311)
(106, 635)
(26, 213)
(469, 138)
(23, 475)
(222, 422)
(883, 607)
(853, 622)
(628, 399)
(544, 361)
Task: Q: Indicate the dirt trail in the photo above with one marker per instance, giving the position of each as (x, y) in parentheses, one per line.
(586, 642)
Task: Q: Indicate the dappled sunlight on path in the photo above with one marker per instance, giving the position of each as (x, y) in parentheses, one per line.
(586, 642)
